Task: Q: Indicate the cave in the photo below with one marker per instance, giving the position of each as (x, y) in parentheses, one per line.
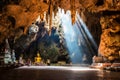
(59, 39)
(31, 27)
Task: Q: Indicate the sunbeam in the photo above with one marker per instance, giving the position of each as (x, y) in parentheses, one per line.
(79, 41)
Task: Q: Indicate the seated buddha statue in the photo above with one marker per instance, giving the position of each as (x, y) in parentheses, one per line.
(38, 58)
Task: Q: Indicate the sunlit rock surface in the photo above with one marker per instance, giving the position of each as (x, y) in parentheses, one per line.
(110, 38)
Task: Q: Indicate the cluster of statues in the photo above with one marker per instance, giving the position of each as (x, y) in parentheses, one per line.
(37, 61)
(9, 56)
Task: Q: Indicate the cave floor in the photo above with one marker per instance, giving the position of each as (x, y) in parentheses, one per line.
(57, 73)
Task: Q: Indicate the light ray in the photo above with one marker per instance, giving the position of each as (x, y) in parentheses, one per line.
(79, 41)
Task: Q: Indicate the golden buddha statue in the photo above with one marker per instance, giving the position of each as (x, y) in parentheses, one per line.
(38, 58)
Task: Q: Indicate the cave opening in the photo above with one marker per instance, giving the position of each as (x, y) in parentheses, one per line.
(73, 41)
(67, 41)
(67, 36)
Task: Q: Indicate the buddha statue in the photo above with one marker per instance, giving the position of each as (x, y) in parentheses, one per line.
(38, 58)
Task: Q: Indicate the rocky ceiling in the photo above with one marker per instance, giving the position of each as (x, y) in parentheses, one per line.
(17, 15)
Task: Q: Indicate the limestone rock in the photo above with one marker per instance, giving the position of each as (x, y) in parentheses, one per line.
(110, 38)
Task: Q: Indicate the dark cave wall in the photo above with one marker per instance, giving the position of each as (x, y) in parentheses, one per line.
(93, 24)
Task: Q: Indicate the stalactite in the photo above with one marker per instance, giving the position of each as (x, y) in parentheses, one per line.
(47, 17)
(55, 8)
(51, 10)
(42, 16)
(73, 11)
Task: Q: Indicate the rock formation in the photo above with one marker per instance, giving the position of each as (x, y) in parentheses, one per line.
(110, 38)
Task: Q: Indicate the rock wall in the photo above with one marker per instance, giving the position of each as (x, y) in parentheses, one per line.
(17, 15)
(110, 38)
(109, 11)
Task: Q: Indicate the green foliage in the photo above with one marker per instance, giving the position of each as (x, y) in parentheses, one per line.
(50, 52)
